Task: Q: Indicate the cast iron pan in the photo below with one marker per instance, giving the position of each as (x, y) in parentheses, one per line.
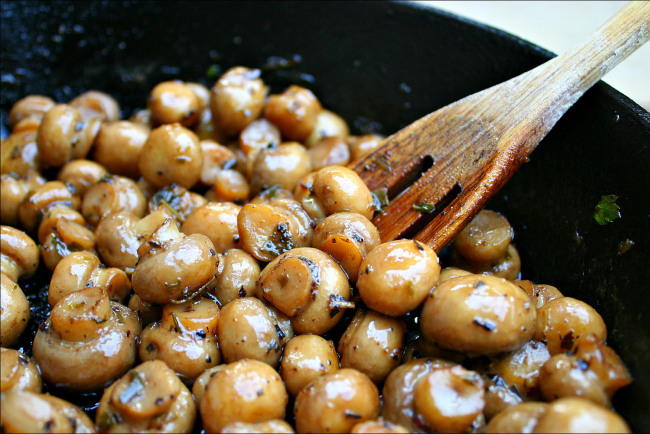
(381, 66)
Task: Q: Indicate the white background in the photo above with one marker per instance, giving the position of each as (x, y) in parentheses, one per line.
(558, 26)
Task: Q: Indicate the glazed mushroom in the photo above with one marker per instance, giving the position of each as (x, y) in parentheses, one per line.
(335, 402)
(61, 232)
(31, 106)
(498, 396)
(270, 229)
(363, 145)
(283, 164)
(13, 191)
(217, 221)
(338, 188)
(81, 174)
(563, 322)
(348, 238)
(63, 135)
(249, 329)
(520, 418)
(330, 151)
(328, 124)
(237, 276)
(185, 338)
(305, 358)
(379, 426)
(485, 238)
(117, 147)
(81, 270)
(520, 369)
(478, 314)
(594, 371)
(18, 372)
(112, 194)
(507, 266)
(18, 253)
(171, 154)
(294, 112)
(178, 200)
(40, 198)
(53, 415)
(201, 382)
(95, 104)
(173, 267)
(237, 99)
(173, 101)
(87, 341)
(20, 153)
(268, 426)
(398, 391)
(449, 399)
(243, 391)
(257, 135)
(309, 287)
(396, 277)
(216, 157)
(148, 398)
(372, 344)
(119, 235)
(19, 256)
(579, 415)
(14, 311)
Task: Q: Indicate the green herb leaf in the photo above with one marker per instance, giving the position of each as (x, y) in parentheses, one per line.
(607, 210)
(173, 211)
(213, 72)
(425, 207)
(380, 199)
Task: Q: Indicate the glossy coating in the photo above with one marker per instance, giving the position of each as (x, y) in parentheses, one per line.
(384, 79)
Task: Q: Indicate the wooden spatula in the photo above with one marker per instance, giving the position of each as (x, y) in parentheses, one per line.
(458, 157)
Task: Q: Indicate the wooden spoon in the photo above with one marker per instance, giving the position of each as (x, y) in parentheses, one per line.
(458, 157)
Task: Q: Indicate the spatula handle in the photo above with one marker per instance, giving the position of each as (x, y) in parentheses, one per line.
(611, 43)
(575, 71)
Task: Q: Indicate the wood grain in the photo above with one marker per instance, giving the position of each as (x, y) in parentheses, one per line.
(469, 149)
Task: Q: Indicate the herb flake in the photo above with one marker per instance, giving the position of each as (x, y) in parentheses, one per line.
(607, 210)
(425, 207)
(380, 199)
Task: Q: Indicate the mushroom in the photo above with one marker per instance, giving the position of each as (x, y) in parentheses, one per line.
(309, 287)
(13, 191)
(305, 358)
(110, 195)
(270, 229)
(243, 391)
(148, 398)
(237, 99)
(18, 372)
(87, 341)
(250, 329)
(81, 270)
(335, 402)
(63, 135)
(185, 338)
(29, 412)
(95, 104)
(173, 267)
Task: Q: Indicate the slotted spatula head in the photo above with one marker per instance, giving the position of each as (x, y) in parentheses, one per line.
(457, 158)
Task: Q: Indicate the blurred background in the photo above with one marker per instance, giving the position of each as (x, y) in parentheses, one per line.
(558, 26)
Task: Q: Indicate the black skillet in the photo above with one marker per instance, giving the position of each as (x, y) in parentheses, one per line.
(381, 66)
